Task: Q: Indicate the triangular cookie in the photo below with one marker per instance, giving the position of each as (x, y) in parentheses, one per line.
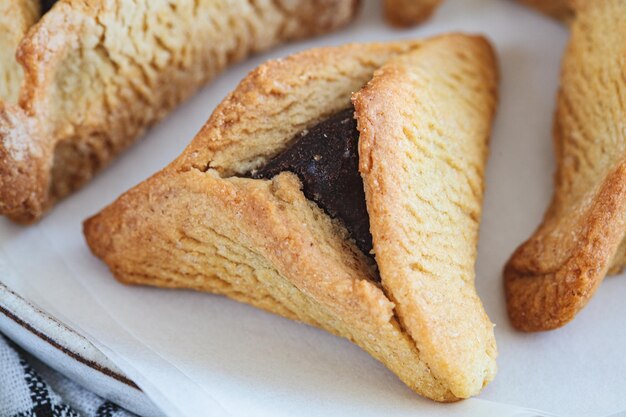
(553, 275)
(98, 73)
(424, 112)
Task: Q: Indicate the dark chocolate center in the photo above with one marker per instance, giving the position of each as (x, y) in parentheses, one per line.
(46, 5)
(326, 159)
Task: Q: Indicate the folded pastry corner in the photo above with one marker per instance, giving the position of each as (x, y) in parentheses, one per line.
(273, 202)
(552, 276)
(97, 74)
(409, 12)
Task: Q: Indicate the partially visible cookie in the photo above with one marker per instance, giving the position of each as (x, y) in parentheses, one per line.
(98, 73)
(558, 9)
(16, 17)
(552, 276)
(409, 12)
(255, 208)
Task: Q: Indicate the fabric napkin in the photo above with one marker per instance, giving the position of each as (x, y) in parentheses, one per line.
(29, 388)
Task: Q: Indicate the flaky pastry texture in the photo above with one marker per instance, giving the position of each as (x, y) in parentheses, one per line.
(424, 113)
(552, 276)
(97, 74)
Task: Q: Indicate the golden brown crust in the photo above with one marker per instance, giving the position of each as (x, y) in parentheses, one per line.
(196, 225)
(16, 17)
(423, 175)
(405, 13)
(553, 275)
(97, 76)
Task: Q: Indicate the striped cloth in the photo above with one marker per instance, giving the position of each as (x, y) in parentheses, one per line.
(29, 388)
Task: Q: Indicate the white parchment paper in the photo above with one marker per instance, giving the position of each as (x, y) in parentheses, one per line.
(203, 355)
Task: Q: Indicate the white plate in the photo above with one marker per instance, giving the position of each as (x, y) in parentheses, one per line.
(63, 349)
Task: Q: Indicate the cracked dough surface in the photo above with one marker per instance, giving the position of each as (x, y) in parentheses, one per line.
(552, 276)
(195, 224)
(98, 74)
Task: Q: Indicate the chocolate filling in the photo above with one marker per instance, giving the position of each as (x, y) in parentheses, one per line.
(46, 5)
(326, 159)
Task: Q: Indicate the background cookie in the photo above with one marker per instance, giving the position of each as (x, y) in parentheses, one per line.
(98, 74)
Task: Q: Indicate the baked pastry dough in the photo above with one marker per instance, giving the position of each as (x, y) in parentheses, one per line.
(554, 274)
(424, 113)
(16, 17)
(98, 73)
(409, 12)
